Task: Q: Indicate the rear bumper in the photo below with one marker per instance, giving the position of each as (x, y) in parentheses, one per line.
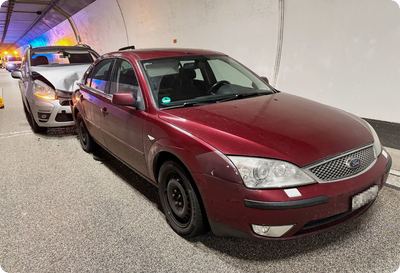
(232, 209)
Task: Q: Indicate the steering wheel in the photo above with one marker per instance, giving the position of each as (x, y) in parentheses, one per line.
(217, 86)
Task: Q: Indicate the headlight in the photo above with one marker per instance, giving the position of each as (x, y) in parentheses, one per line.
(377, 142)
(44, 91)
(269, 173)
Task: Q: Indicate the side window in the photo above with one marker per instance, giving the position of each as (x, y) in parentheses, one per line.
(101, 74)
(88, 76)
(124, 80)
(224, 71)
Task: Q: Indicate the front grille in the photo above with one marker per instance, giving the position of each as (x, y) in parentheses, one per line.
(65, 102)
(336, 168)
(324, 221)
(64, 97)
(63, 117)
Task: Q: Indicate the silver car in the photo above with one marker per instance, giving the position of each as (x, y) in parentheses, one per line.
(47, 77)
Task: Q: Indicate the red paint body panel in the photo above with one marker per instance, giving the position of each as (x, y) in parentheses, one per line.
(158, 53)
(280, 126)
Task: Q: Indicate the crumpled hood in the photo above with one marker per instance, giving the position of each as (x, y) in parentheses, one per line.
(280, 126)
(62, 77)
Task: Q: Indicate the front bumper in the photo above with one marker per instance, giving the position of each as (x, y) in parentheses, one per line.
(232, 209)
(52, 113)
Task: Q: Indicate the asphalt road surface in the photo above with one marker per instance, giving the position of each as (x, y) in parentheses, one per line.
(62, 211)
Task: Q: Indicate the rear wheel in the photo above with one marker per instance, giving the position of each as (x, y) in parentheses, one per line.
(179, 201)
(86, 140)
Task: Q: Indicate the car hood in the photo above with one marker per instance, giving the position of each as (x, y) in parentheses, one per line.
(280, 126)
(62, 77)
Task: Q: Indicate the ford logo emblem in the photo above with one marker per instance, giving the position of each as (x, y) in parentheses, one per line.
(353, 163)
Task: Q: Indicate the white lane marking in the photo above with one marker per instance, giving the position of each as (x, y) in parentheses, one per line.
(15, 134)
(394, 172)
(393, 182)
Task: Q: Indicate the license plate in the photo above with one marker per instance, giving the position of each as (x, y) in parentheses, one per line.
(365, 197)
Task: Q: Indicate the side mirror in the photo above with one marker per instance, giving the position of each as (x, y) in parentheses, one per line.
(265, 79)
(124, 99)
(16, 74)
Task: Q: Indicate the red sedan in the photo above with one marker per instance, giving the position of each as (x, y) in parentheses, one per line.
(225, 149)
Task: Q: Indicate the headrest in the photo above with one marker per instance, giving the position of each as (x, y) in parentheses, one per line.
(187, 74)
(40, 60)
(189, 66)
(129, 73)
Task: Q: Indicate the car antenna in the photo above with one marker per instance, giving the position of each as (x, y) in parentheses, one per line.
(126, 48)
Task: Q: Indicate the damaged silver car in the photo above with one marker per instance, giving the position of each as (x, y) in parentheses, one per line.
(47, 77)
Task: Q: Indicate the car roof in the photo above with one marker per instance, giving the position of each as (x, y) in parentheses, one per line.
(60, 47)
(158, 53)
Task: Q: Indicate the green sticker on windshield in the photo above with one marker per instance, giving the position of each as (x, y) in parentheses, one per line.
(166, 100)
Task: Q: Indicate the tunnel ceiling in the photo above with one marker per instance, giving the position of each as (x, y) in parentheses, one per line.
(23, 20)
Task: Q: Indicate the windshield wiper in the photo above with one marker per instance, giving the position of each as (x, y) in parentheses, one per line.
(213, 100)
(245, 95)
(186, 104)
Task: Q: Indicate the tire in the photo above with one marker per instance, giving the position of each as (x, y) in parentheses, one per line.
(179, 201)
(86, 140)
(25, 109)
(35, 127)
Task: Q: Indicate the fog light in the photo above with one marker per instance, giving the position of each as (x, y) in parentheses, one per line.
(44, 116)
(271, 231)
(261, 230)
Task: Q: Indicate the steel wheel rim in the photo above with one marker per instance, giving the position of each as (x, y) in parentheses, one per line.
(83, 134)
(178, 201)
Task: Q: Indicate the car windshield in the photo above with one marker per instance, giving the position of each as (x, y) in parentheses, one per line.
(14, 59)
(61, 57)
(197, 80)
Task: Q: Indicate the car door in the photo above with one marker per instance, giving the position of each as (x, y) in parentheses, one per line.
(123, 125)
(93, 93)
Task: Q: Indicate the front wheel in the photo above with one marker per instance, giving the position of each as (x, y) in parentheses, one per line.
(86, 140)
(35, 127)
(179, 201)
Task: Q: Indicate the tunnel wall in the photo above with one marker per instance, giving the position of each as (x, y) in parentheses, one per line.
(345, 54)
(245, 30)
(342, 53)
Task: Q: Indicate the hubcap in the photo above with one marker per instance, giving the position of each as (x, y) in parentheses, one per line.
(178, 200)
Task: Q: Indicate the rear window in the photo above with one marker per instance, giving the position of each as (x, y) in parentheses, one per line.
(14, 59)
(61, 57)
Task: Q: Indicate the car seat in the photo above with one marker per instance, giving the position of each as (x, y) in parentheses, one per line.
(184, 88)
